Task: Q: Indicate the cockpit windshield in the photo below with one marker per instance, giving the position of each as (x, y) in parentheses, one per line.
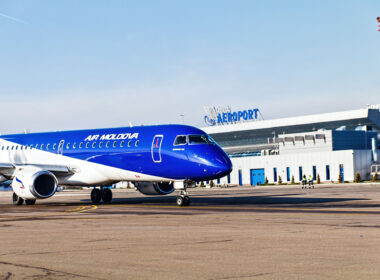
(200, 139)
(180, 140)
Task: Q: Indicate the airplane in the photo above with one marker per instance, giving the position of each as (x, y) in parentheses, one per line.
(157, 159)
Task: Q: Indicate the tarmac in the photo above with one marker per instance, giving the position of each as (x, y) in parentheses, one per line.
(276, 232)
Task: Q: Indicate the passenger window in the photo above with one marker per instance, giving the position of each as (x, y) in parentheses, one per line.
(93, 145)
(36, 146)
(80, 145)
(67, 146)
(74, 145)
(114, 144)
(2, 148)
(129, 143)
(54, 146)
(7, 147)
(137, 143)
(42, 146)
(87, 145)
(100, 144)
(107, 144)
(122, 144)
(180, 140)
(47, 146)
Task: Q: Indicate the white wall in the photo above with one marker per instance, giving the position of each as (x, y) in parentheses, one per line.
(306, 160)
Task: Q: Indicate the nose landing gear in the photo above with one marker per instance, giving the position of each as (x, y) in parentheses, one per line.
(183, 199)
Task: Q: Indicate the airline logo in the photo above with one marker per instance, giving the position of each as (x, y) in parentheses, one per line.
(120, 136)
(19, 183)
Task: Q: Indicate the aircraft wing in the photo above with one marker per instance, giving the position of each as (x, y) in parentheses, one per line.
(7, 169)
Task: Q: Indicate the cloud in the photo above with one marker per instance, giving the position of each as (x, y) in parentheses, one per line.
(13, 18)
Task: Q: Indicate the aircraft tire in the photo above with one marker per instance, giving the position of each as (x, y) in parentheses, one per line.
(180, 201)
(17, 200)
(96, 196)
(30, 201)
(106, 195)
(187, 201)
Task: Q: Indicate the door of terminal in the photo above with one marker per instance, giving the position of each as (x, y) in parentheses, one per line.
(257, 177)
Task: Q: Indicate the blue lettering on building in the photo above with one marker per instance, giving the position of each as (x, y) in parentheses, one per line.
(233, 117)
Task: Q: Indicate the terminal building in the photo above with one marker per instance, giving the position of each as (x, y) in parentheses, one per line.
(330, 146)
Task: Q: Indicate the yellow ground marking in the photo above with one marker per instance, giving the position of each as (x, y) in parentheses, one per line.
(80, 209)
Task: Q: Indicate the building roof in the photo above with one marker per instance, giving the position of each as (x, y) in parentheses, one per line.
(257, 133)
(345, 116)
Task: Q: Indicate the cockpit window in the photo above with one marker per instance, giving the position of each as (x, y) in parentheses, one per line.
(199, 139)
(180, 140)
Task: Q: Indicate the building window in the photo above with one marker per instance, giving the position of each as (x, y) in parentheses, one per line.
(288, 174)
(327, 172)
(275, 174)
(300, 173)
(341, 171)
(314, 173)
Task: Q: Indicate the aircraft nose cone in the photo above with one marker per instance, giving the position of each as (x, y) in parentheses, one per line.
(221, 165)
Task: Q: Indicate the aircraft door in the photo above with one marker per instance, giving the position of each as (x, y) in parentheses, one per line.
(156, 148)
(60, 147)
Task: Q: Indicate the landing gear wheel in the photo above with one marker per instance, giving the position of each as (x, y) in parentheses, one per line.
(30, 201)
(187, 201)
(183, 200)
(180, 201)
(106, 195)
(96, 196)
(17, 200)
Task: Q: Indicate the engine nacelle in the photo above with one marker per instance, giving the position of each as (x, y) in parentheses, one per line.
(33, 183)
(154, 188)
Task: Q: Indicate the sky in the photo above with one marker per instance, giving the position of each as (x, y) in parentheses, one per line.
(93, 64)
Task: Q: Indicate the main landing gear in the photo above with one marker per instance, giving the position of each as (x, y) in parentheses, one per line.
(19, 201)
(104, 194)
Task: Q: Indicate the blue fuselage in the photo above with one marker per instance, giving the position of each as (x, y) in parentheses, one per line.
(151, 150)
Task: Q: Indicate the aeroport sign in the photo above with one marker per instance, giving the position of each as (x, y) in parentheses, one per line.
(224, 115)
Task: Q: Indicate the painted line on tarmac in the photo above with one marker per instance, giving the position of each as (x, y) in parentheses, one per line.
(273, 209)
(80, 209)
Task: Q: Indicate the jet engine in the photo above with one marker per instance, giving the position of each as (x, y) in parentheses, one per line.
(154, 188)
(33, 183)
